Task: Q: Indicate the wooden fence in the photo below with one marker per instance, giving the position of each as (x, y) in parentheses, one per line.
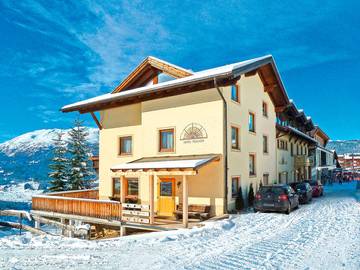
(78, 206)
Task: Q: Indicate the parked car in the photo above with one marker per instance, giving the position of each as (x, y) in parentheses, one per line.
(317, 188)
(304, 190)
(278, 198)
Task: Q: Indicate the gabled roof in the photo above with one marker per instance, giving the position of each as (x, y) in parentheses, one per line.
(220, 76)
(149, 68)
(318, 131)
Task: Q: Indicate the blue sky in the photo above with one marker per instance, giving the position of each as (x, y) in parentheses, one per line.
(56, 52)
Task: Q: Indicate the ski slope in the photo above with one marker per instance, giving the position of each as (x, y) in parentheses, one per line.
(322, 235)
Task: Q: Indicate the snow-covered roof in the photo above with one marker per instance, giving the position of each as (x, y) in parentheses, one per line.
(298, 132)
(181, 163)
(219, 72)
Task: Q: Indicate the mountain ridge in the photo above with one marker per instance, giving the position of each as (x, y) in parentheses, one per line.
(27, 157)
(344, 146)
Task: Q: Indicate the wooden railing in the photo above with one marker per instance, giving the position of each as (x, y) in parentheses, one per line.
(85, 194)
(104, 209)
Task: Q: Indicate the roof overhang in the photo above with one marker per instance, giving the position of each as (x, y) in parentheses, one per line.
(149, 68)
(223, 76)
(322, 134)
(297, 133)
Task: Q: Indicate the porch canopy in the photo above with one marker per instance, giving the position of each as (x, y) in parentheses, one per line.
(169, 165)
(166, 165)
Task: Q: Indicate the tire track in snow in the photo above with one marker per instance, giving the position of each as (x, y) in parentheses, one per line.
(305, 233)
(246, 241)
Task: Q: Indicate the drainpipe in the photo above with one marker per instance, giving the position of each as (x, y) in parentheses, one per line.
(225, 147)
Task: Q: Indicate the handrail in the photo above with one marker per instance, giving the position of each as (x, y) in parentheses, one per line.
(73, 199)
(72, 191)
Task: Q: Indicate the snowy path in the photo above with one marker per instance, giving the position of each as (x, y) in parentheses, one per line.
(321, 235)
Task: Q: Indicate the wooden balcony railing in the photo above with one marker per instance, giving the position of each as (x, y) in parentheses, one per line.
(103, 209)
(84, 194)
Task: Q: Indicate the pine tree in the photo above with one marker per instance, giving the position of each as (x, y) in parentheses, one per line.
(58, 166)
(251, 196)
(80, 170)
(239, 202)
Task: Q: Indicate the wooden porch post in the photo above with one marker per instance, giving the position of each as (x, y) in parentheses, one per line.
(151, 194)
(122, 200)
(185, 201)
(123, 191)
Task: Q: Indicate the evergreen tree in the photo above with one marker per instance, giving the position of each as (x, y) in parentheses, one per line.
(80, 170)
(251, 196)
(58, 166)
(239, 202)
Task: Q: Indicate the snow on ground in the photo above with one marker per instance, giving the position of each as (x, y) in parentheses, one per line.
(322, 235)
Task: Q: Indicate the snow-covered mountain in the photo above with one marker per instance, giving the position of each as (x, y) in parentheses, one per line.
(27, 156)
(345, 146)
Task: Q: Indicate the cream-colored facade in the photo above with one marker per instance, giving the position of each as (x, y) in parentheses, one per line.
(293, 163)
(252, 96)
(142, 121)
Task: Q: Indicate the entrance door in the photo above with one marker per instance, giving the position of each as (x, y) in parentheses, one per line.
(166, 197)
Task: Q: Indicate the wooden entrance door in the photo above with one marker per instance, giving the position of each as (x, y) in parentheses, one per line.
(166, 197)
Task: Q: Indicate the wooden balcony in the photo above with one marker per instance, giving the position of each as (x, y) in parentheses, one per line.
(80, 203)
(84, 194)
(302, 160)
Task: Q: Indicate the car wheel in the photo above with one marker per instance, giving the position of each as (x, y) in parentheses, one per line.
(255, 210)
(288, 210)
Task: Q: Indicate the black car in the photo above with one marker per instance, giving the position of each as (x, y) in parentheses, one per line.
(304, 191)
(278, 198)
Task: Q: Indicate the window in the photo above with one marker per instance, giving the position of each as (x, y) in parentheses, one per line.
(133, 186)
(235, 184)
(251, 122)
(125, 146)
(265, 109)
(291, 149)
(265, 144)
(283, 145)
(283, 178)
(235, 93)
(265, 179)
(235, 138)
(116, 187)
(252, 171)
(166, 188)
(297, 150)
(166, 140)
